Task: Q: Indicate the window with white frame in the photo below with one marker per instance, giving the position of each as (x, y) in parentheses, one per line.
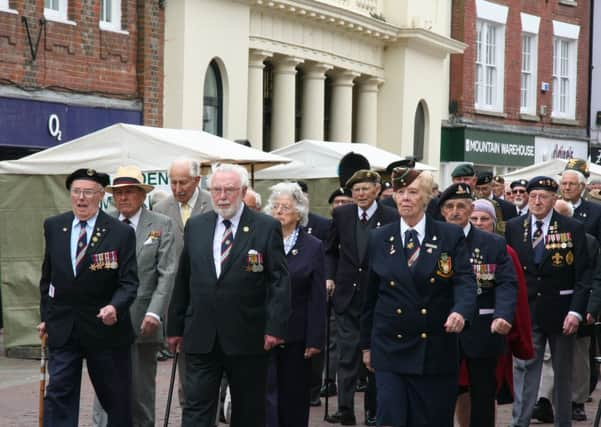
(110, 15)
(56, 9)
(488, 90)
(4, 5)
(529, 78)
(564, 77)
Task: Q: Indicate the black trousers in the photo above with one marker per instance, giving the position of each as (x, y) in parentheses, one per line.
(247, 378)
(109, 371)
(482, 388)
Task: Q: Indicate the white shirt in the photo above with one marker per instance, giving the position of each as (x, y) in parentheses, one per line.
(369, 211)
(219, 230)
(420, 228)
(467, 228)
(546, 222)
(75, 230)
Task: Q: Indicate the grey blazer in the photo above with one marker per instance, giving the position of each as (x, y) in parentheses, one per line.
(157, 266)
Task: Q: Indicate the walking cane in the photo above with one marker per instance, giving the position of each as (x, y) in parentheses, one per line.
(328, 314)
(171, 383)
(42, 380)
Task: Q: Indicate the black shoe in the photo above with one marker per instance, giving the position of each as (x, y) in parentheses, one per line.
(543, 411)
(343, 417)
(361, 386)
(328, 390)
(315, 402)
(163, 355)
(578, 413)
(370, 418)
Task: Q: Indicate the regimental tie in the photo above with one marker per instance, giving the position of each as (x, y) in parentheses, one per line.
(185, 212)
(82, 243)
(538, 243)
(126, 221)
(364, 218)
(411, 247)
(226, 241)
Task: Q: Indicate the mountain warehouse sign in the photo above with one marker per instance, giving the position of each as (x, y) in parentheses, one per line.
(487, 147)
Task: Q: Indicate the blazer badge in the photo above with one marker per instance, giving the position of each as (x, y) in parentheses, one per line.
(445, 266)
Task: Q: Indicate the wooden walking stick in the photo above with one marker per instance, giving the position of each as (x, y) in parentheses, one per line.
(42, 380)
(171, 383)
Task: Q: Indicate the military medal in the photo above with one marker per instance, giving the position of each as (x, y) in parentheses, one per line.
(569, 258)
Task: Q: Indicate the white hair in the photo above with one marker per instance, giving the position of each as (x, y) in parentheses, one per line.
(191, 163)
(294, 191)
(229, 167)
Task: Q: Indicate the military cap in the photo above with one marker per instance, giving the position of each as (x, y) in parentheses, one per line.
(386, 185)
(340, 191)
(578, 165)
(455, 191)
(484, 178)
(363, 175)
(349, 164)
(464, 169)
(542, 183)
(88, 174)
(519, 183)
(498, 179)
(402, 177)
(407, 162)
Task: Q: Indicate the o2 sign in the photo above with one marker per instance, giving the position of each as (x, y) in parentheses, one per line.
(54, 127)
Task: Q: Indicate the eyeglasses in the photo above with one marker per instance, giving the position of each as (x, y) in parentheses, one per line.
(519, 191)
(229, 191)
(87, 193)
(282, 207)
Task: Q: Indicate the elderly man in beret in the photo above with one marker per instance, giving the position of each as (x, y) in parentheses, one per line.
(346, 274)
(520, 196)
(89, 281)
(483, 190)
(498, 187)
(484, 342)
(552, 251)
(156, 270)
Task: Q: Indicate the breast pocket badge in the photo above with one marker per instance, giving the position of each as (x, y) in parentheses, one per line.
(445, 266)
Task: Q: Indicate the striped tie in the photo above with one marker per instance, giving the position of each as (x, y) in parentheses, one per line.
(226, 241)
(411, 247)
(82, 243)
(538, 245)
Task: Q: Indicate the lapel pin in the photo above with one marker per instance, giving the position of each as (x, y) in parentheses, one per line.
(245, 229)
(378, 224)
(429, 250)
(294, 251)
(391, 238)
(65, 229)
(434, 238)
(94, 239)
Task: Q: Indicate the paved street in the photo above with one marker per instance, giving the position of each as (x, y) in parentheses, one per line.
(19, 385)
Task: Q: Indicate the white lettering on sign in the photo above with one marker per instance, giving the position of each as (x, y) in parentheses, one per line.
(501, 148)
(54, 127)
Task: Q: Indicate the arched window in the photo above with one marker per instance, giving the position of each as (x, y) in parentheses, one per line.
(212, 121)
(419, 132)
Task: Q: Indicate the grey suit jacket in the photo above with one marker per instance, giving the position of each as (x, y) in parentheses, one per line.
(157, 266)
(170, 207)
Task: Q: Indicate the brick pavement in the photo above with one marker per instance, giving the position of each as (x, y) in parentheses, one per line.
(19, 384)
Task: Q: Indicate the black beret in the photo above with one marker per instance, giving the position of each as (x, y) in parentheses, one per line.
(363, 175)
(341, 191)
(484, 178)
(455, 191)
(463, 170)
(542, 183)
(408, 162)
(578, 165)
(89, 174)
(519, 183)
(499, 179)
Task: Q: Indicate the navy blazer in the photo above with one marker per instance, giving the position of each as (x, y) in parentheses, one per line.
(318, 226)
(77, 299)
(497, 293)
(558, 284)
(589, 213)
(307, 321)
(342, 259)
(404, 314)
(508, 209)
(241, 305)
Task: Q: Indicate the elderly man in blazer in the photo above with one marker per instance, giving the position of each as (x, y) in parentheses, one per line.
(346, 276)
(230, 303)
(89, 280)
(552, 251)
(156, 271)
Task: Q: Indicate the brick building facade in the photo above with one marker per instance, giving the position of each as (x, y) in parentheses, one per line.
(519, 93)
(69, 67)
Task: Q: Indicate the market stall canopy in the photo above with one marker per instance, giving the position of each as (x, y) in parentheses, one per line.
(319, 159)
(552, 168)
(149, 148)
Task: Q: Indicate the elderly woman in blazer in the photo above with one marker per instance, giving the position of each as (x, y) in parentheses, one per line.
(288, 383)
(421, 292)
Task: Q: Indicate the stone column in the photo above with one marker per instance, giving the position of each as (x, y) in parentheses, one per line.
(282, 112)
(341, 111)
(313, 100)
(254, 111)
(367, 110)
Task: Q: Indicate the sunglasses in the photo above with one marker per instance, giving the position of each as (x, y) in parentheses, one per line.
(518, 191)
